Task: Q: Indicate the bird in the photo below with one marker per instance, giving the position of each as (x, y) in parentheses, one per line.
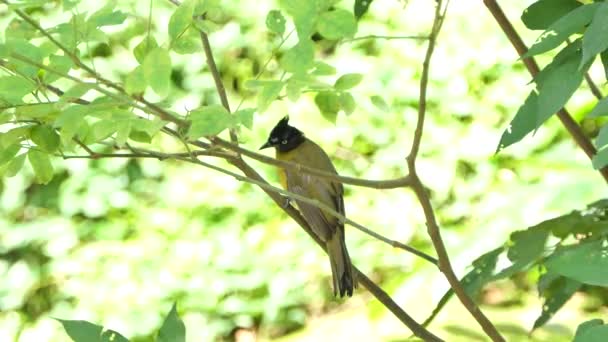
(291, 145)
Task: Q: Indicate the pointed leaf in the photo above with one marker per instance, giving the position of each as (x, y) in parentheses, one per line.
(361, 7)
(328, 104)
(144, 47)
(14, 88)
(81, 331)
(181, 19)
(245, 117)
(173, 329)
(269, 93)
(41, 163)
(7, 153)
(157, 71)
(585, 262)
(347, 103)
(591, 331)
(541, 14)
(208, 121)
(594, 40)
(348, 81)
(563, 28)
(15, 165)
(299, 58)
(45, 137)
(556, 294)
(135, 83)
(379, 103)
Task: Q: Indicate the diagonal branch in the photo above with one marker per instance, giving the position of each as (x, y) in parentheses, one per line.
(571, 126)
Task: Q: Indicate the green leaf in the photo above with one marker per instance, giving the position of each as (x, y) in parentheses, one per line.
(144, 47)
(269, 93)
(591, 331)
(559, 31)
(41, 163)
(69, 4)
(112, 336)
(151, 127)
(135, 83)
(602, 137)
(15, 135)
(348, 81)
(556, 294)
(45, 137)
(181, 19)
(472, 282)
(527, 247)
(173, 329)
(379, 103)
(585, 262)
(70, 121)
(7, 153)
(36, 111)
(600, 159)
(60, 64)
(15, 165)
(304, 14)
(604, 59)
(27, 50)
(106, 16)
(101, 130)
(275, 22)
(347, 103)
(594, 40)
(337, 24)
(14, 88)
(187, 43)
(329, 104)
(323, 69)
(361, 7)
(556, 83)
(299, 58)
(600, 109)
(208, 121)
(245, 117)
(541, 14)
(76, 92)
(81, 331)
(157, 71)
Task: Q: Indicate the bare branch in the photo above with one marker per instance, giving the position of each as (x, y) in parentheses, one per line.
(431, 222)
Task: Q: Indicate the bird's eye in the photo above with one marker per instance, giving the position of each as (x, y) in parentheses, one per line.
(284, 141)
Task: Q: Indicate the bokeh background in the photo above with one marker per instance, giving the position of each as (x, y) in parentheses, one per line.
(116, 242)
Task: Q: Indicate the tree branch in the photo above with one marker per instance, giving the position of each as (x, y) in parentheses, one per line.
(571, 126)
(431, 223)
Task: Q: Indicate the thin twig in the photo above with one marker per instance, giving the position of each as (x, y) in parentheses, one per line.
(376, 184)
(375, 36)
(595, 90)
(374, 289)
(423, 197)
(571, 126)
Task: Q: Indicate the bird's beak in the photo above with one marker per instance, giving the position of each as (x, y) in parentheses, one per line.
(266, 145)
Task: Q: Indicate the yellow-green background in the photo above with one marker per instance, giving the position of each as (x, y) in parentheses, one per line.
(116, 242)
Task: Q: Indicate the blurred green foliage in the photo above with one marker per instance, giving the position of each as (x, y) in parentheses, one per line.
(115, 242)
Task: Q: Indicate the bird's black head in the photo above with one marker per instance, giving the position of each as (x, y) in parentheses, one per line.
(284, 137)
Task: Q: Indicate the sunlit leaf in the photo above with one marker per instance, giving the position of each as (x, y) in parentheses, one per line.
(135, 83)
(144, 47)
(329, 104)
(45, 137)
(304, 15)
(245, 117)
(269, 93)
(157, 71)
(323, 69)
(275, 22)
(75, 92)
(14, 88)
(41, 164)
(299, 58)
(337, 24)
(527, 247)
(187, 43)
(379, 103)
(15, 165)
(347, 102)
(208, 121)
(106, 16)
(7, 153)
(348, 81)
(81, 331)
(181, 19)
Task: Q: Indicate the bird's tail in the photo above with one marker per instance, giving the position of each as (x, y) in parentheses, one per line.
(341, 268)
